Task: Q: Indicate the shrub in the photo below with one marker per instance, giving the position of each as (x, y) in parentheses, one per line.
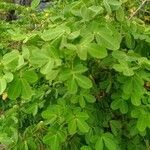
(75, 76)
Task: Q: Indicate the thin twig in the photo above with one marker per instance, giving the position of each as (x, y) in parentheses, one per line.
(137, 10)
(145, 11)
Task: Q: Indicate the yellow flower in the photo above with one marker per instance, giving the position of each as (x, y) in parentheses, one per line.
(33, 15)
(4, 96)
(46, 14)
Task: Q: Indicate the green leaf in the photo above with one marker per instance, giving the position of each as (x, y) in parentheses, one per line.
(30, 76)
(74, 35)
(89, 98)
(26, 91)
(14, 89)
(124, 68)
(25, 52)
(108, 38)
(82, 52)
(38, 58)
(72, 126)
(52, 75)
(82, 101)
(134, 87)
(109, 141)
(5, 139)
(115, 127)
(96, 51)
(107, 6)
(120, 14)
(8, 77)
(52, 140)
(65, 75)
(35, 3)
(86, 148)
(79, 68)
(10, 57)
(120, 104)
(82, 115)
(72, 86)
(83, 81)
(99, 144)
(142, 122)
(83, 126)
(85, 13)
(82, 47)
(3, 84)
(53, 33)
(48, 67)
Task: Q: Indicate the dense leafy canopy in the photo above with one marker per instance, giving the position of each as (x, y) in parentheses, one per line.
(75, 76)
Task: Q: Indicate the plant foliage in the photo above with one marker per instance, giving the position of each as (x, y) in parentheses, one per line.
(75, 76)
